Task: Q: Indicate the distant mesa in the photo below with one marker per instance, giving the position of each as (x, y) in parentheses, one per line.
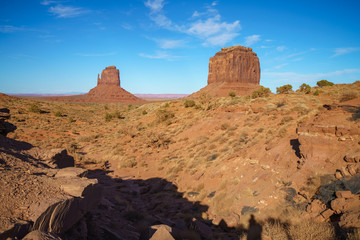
(108, 90)
(234, 69)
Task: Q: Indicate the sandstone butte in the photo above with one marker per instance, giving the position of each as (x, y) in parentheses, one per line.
(108, 90)
(233, 69)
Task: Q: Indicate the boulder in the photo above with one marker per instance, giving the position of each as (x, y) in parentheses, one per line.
(71, 172)
(162, 233)
(39, 235)
(78, 187)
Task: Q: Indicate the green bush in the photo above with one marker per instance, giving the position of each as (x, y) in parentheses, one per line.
(305, 88)
(348, 95)
(316, 93)
(71, 120)
(144, 112)
(324, 83)
(58, 114)
(34, 108)
(261, 92)
(232, 94)
(189, 103)
(284, 89)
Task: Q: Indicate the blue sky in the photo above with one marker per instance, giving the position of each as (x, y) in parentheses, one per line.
(164, 46)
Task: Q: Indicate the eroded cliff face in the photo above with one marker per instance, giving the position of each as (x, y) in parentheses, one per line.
(236, 64)
(109, 76)
(233, 69)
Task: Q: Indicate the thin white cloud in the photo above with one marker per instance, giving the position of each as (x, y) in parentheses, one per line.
(169, 43)
(342, 51)
(281, 66)
(250, 40)
(160, 55)
(10, 29)
(281, 48)
(208, 27)
(127, 26)
(155, 5)
(296, 54)
(299, 77)
(62, 11)
(48, 2)
(96, 54)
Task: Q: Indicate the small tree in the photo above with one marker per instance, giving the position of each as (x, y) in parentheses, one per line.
(305, 88)
(284, 89)
(324, 83)
(232, 94)
(261, 92)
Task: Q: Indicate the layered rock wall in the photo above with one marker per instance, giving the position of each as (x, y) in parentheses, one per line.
(109, 76)
(236, 64)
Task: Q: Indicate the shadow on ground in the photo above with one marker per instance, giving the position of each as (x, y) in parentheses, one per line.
(134, 208)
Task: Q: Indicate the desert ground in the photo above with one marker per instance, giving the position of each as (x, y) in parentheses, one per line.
(272, 166)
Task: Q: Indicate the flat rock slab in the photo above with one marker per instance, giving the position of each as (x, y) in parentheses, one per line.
(78, 186)
(71, 172)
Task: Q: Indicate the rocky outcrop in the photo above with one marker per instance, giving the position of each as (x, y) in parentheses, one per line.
(233, 69)
(37, 195)
(234, 64)
(108, 90)
(331, 137)
(5, 127)
(109, 76)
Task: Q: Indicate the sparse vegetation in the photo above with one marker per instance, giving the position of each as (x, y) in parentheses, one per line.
(58, 114)
(348, 95)
(305, 88)
(324, 83)
(316, 93)
(189, 103)
(232, 94)
(286, 89)
(261, 92)
(34, 108)
(163, 115)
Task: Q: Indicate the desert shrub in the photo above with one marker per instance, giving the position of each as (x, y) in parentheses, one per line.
(189, 103)
(117, 114)
(232, 94)
(108, 117)
(348, 95)
(144, 112)
(305, 88)
(316, 93)
(57, 114)
(34, 108)
(284, 89)
(286, 119)
(205, 101)
(163, 115)
(324, 83)
(106, 107)
(225, 126)
(261, 92)
(71, 120)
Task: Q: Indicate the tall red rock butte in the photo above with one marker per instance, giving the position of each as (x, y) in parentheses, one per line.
(233, 69)
(108, 90)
